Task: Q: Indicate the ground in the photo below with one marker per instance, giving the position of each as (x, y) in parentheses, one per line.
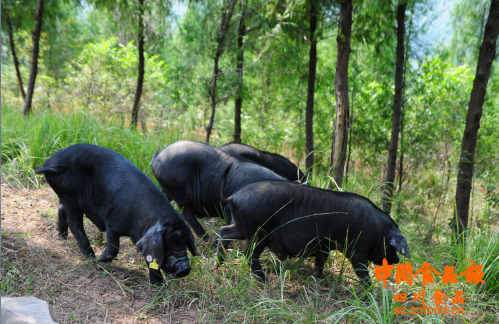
(35, 262)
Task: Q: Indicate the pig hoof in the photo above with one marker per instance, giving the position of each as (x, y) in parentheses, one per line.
(261, 277)
(158, 284)
(104, 258)
(63, 236)
(318, 275)
(91, 258)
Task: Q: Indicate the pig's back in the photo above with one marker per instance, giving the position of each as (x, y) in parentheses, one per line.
(292, 211)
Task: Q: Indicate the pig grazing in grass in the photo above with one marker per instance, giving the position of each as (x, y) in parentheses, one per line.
(191, 173)
(273, 161)
(121, 200)
(294, 220)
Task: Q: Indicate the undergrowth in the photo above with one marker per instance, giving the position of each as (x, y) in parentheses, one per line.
(230, 293)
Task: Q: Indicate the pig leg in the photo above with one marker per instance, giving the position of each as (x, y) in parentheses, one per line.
(75, 223)
(156, 277)
(112, 249)
(255, 253)
(62, 222)
(320, 259)
(228, 215)
(227, 233)
(359, 263)
(190, 217)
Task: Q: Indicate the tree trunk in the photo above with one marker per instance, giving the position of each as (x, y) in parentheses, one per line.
(227, 11)
(213, 97)
(240, 60)
(350, 138)
(309, 110)
(466, 162)
(401, 162)
(34, 57)
(140, 78)
(397, 109)
(14, 57)
(342, 121)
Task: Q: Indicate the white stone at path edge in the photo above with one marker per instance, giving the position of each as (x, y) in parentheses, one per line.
(25, 310)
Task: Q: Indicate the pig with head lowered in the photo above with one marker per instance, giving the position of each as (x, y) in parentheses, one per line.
(121, 200)
(273, 161)
(191, 173)
(295, 220)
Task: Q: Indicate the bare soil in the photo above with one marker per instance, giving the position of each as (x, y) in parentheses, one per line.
(36, 263)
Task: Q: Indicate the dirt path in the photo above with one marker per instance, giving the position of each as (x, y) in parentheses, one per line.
(36, 263)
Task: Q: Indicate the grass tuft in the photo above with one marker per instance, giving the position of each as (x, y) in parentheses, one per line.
(35, 263)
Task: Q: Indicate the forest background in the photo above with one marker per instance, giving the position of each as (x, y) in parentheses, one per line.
(88, 61)
(219, 55)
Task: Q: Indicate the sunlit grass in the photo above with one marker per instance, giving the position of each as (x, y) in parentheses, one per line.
(231, 293)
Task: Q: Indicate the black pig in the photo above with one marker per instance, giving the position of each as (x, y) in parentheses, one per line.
(294, 220)
(121, 200)
(191, 173)
(273, 161)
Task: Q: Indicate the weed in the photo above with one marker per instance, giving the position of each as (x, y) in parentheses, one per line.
(44, 267)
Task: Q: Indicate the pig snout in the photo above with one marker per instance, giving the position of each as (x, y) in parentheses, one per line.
(183, 271)
(177, 267)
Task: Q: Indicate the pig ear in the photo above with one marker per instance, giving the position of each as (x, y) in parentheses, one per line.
(398, 241)
(151, 244)
(186, 234)
(54, 168)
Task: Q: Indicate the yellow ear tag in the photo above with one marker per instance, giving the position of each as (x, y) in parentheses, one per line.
(154, 265)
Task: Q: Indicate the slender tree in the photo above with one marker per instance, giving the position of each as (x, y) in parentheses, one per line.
(397, 110)
(14, 56)
(140, 77)
(350, 135)
(150, 18)
(226, 17)
(342, 121)
(312, 65)
(241, 30)
(406, 59)
(34, 57)
(466, 162)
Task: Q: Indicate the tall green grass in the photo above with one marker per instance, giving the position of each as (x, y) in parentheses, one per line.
(28, 142)
(231, 294)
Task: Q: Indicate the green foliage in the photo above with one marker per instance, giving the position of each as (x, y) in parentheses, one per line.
(468, 26)
(27, 143)
(105, 79)
(84, 93)
(292, 296)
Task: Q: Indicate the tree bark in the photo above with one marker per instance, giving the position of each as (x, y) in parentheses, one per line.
(34, 57)
(14, 57)
(350, 135)
(140, 78)
(213, 97)
(240, 61)
(397, 110)
(342, 121)
(227, 11)
(401, 162)
(466, 162)
(309, 110)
